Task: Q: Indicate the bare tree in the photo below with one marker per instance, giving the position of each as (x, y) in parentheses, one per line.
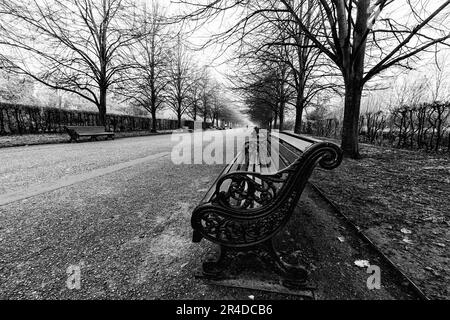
(147, 80)
(438, 81)
(77, 46)
(179, 80)
(218, 106)
(208, 87)
(263, 100)
(309, 73)
(195, 94)
(15, 89)
(349, 39)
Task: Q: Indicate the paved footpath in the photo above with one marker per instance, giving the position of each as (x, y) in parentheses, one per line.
(118, 211)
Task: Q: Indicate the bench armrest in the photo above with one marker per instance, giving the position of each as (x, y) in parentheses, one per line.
(242, 216)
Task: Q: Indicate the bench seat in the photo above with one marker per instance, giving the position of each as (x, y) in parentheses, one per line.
(75, 132)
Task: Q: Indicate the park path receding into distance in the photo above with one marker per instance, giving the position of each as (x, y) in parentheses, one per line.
(28, 171)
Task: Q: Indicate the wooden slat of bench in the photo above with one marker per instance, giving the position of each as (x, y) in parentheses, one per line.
(277, 158)
(94, 130)
(302, 137)
(264, 159)
(244, 163)
(234, 165)
(95, 133)
(289, 154)
(89, 128)
(294, 141)
(253, 161)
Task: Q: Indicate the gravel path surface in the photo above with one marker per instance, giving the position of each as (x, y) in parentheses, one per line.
(21, 167)
(129, 233)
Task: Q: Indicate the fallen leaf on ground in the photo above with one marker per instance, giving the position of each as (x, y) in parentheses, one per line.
(362, 263)
(406, 231)
(408, 241)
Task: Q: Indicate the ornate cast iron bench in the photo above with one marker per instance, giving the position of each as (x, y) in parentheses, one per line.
(251, 201)
(76, 132)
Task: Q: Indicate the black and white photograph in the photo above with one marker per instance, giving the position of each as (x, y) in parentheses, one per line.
(225, 158)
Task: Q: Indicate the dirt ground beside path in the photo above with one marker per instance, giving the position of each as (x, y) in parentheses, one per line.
(130, 234)
(329, 248)
(401, 201)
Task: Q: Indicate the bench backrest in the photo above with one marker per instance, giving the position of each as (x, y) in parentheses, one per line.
(280, 151)
(291, 158)
(311, 153)
(86, 129)
(292, 146)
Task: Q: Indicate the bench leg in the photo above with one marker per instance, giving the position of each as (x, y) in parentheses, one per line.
(293, 276)
(196, 236)
(214, 269)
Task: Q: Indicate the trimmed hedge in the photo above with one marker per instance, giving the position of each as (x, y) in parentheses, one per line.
(23, 119)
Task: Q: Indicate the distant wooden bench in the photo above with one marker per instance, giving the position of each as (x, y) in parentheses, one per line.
(253, 199)
(76, 132)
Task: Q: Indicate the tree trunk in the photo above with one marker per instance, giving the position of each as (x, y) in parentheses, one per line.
(350, 130)
(102, 107)
(153, 105)
(439, 128)
(282, 106)
(154, 123)
(353, 72)
(179, 120)
(2, 124)
(275, 121)
(298, 115)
